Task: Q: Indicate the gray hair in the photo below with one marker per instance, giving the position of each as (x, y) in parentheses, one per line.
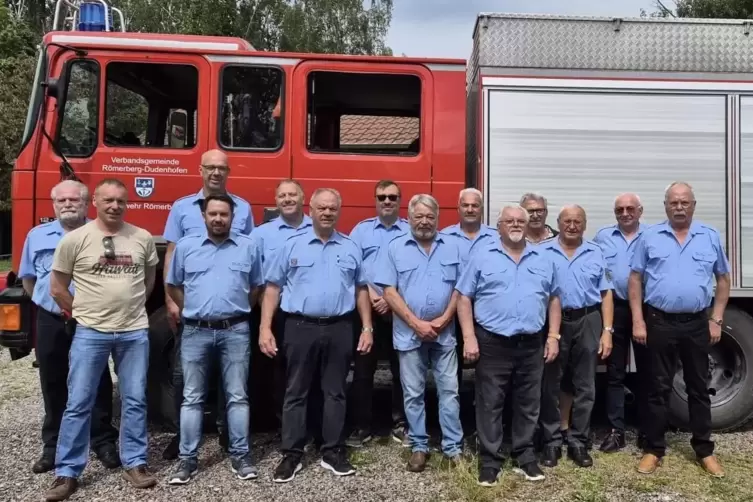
(471, 191)
(533, 196)
(425, 200)
(82, 189)
(516, 207)
(320, 191)
(678, 183)
(571, 206)
(631, 194)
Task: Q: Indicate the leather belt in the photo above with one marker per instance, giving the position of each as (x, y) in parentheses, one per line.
(320, 321)
(217, 324)
(677, 317)
(575, 314)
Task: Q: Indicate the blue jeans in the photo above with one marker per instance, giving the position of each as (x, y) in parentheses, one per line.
(197, 346)
(414, 365)
(89, 355)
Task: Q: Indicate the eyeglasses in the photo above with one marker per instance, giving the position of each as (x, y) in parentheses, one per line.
(626, 209)
(109, 247)
(383, 197)
(220, 169)
(539, 211)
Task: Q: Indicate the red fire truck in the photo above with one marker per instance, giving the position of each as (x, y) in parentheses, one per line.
(579, 109)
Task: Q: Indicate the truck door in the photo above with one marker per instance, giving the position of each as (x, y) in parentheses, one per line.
(139, 118)
(357, 123)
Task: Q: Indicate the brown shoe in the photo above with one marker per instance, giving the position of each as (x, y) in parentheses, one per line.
(711, 465)
(139, 477)
(417, 462)
(61, 489)
(648, 463)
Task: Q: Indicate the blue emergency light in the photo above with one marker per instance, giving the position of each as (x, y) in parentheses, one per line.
(92, 16)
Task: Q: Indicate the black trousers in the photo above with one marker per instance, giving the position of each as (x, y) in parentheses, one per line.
(670, 336)
(515, 363)
(52, 347)
(616, 369)
(308, 347)
(362, 388)
(579, 346)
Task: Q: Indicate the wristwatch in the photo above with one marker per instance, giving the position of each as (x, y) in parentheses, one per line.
(610, 329)
(556, 336)
(718, 322)
(367, 330)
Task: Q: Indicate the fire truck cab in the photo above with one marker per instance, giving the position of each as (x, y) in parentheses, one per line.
(144, 107)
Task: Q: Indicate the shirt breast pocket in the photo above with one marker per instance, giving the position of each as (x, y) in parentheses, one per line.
(540, 278)
(593, 271)
(497, 280)
(43, 259)
(347, 270)
(370, 250)
(704, 262)
(302, 269)
(405, 270)
(611, 258)
(241, 268)
(196, 267)
(449, 270)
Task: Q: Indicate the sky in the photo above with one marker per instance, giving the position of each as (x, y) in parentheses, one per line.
(443, 28)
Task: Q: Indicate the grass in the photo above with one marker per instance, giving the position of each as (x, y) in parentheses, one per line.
(5, 265)
(613, 478)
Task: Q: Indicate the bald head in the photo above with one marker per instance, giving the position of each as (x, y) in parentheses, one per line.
(572, 210)
(214, 171)
(572, 223)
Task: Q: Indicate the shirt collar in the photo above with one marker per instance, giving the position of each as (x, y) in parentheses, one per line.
(232, 238)
(311, 236)
(304, 224)
(410, 238)
(56, 228)
(695, 228)
(529, 249)
(399, 223)
(641, 227)
(199, 196)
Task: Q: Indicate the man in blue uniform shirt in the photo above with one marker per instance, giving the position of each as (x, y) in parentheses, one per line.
(214, 279)
(586, 299)
(675, 263)
(418, 272)
(69, 201)
(470, 233)
(372, 235)
(320, 274)
(618, 243)
(271, 237)
(513, 285)
(185, 218)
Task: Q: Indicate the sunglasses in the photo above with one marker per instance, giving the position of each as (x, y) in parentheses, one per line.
(109, 247)
(382, 197)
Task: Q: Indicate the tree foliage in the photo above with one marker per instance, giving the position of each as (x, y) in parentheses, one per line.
(720, 9)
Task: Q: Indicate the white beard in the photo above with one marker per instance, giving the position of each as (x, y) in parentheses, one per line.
(516, 237)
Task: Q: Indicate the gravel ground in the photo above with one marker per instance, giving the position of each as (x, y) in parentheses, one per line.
(381, 474)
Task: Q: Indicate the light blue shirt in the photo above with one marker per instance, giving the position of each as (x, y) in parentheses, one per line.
(318, 279)
(486, 236)
(424, 281)
(581, 279)
(510, 298)
(617, 253)
(272, 235)
(216, 279)
(679, 278)
(371, 235)
(185, 217)
(36, 262)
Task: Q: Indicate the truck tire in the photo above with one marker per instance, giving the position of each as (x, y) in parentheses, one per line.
(731, 377)
(160, 401)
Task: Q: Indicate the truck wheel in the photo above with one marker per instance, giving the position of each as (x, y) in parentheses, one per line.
(730, 377)
(160, 401)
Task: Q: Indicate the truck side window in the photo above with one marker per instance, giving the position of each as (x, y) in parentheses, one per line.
(251, 108)
(77, 132)
(365, 113)
(151, 105)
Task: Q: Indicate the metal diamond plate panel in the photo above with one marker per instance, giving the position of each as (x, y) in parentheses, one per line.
(605, 44)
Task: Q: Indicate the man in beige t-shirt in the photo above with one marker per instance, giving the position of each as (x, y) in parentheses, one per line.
(113, 265)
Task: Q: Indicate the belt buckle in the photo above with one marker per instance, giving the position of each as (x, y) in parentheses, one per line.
(225, 323)
(323, 321)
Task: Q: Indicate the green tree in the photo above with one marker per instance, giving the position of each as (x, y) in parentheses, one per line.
(720, 9)
(17, 59)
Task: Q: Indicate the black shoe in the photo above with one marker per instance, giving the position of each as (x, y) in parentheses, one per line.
(488, 476)
(109, 457)
(530, 471)
(46, 463)
(400, 434)
(287, 469)
(614, 442)
(337, 462)
(550, 455)
(580, 456)
(184, 472)
(358, 438)
(171, 451)
(640, 441)
(224, 440)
